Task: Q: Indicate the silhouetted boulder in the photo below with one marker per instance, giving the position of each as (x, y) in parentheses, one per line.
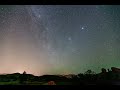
(114, 69)
(103, 70)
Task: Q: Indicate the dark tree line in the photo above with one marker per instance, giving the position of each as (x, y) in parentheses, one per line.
(105, 76)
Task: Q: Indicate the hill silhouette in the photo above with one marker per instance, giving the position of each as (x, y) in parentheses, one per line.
(105, 77)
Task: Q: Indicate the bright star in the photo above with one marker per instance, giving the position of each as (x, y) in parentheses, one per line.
(82, 28)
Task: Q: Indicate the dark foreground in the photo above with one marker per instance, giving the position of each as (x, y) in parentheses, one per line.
(110, 77)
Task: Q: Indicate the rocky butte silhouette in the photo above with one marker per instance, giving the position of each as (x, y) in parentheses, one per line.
(105, 77)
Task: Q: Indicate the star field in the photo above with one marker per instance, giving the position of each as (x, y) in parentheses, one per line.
(59, 39)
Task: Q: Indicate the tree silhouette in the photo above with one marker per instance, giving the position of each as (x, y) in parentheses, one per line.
(89, 72)
(24, 72)
(23, 78)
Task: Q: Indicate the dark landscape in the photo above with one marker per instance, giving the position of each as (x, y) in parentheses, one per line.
(106, 77)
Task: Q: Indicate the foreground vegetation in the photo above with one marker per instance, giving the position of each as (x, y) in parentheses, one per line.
(88, 78)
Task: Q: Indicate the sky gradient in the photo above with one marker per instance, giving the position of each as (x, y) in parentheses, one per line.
(59, 39)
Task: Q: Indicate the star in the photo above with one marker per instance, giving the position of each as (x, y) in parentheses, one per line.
(82, 28)
(39, 16)
(69, 38)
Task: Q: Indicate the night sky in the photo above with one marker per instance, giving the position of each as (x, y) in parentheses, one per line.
(59, 39)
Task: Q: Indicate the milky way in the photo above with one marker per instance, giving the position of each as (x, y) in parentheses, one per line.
(59, 39)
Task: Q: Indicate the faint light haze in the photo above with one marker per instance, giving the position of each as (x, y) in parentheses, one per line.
(59, 39)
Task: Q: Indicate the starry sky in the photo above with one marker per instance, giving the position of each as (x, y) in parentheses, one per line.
(59, 39)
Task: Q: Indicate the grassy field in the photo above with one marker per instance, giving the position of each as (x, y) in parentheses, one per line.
(64, 83)
(10, 83)
(33, 83)
(46, 83)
